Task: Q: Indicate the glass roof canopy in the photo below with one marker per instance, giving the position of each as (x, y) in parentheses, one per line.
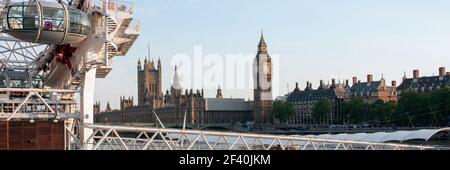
(382, 137)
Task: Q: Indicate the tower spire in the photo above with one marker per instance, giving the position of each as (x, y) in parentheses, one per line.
(159, 63)
(262, 46)
(219, 93)
(262, 41)
(176, 80)
(139, 64)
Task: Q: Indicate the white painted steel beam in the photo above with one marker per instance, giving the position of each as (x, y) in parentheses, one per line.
(209, 140)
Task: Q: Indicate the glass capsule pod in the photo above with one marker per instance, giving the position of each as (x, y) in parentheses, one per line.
(45, 22)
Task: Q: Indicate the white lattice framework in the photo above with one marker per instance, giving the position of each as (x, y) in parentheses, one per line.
(128, 138)
(115, 35)
(17, 54)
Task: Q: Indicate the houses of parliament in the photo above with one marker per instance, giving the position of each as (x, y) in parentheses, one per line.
(172, 105)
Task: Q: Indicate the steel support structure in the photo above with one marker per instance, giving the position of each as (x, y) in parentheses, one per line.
(24, 107)
(129, 138)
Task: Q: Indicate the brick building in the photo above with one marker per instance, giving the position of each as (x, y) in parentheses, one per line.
(425, 84)
(372, 91)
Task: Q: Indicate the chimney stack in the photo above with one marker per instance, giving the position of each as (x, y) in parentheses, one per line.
(297, 89)
(416, 74)
(442, 71)
(369, 78)
(394, 83)
(355, 80)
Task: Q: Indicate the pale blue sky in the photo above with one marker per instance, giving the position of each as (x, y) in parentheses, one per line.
(315, 39)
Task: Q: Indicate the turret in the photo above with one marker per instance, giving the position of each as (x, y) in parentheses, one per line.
(297, 89)
(159, 64)
(139, 67)
(333, 83)
(322, 85)
(219, 93)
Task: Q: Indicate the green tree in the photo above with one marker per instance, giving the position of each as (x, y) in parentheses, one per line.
(355, 111)
(390, 110)
(376, 111)
(440, 106)
(321, 111)
(413, 109)
(282, 110)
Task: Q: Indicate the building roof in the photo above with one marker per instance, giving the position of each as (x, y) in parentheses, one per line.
(425, 82)
(214, 104)
(262, 42)
(282, 98)
(366, 86)
(382, 137)
(317, 94)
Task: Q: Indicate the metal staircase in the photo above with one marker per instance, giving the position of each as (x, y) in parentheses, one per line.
(121, 34)
(112, 24)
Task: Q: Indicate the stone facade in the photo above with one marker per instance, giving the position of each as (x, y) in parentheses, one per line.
(172, 106)
(304, 101)
(150, 84)
(262, 76)
(126, 103)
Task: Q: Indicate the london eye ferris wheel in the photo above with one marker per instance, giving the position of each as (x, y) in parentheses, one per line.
(51, 50)
(52, 43)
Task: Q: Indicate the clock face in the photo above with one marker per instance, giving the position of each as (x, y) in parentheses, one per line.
(266, 68)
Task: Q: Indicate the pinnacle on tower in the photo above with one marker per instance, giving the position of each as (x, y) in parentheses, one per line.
(262, 41)
(139, 64)
(219, 93)
(262, 46)
(176, 79)
(159, 63)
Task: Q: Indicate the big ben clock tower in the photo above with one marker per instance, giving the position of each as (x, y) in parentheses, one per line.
(262, 77)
